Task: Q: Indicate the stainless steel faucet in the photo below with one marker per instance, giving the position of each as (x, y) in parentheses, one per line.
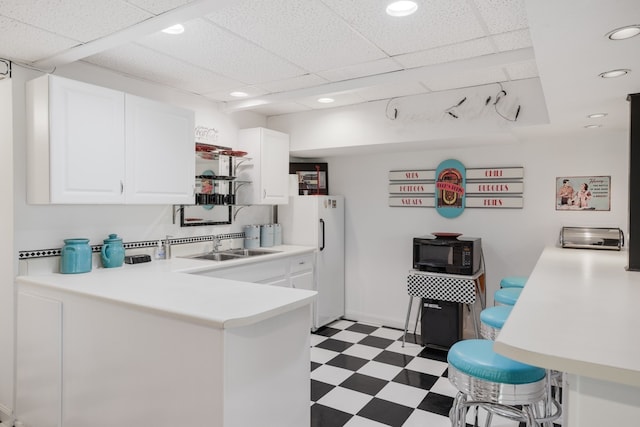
(167, 247)
(216, 243)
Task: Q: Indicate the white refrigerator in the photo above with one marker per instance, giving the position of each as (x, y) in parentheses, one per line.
(319, 221)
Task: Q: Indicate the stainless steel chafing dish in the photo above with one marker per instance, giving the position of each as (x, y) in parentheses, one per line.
(592, 238)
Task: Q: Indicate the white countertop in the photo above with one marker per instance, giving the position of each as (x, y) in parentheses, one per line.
(162, 286)
(578, 313)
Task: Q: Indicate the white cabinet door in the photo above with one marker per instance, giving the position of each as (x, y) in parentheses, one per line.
(159, 157)
(269, 175)
(75, 142)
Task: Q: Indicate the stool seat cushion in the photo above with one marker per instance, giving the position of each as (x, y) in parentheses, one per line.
(507, 296)
(495, 316)
(476, 358)
(513, 282)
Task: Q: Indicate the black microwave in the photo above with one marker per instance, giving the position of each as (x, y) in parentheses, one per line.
(447, 254)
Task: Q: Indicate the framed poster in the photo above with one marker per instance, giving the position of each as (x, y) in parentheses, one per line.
(583, 193)
(313, 178)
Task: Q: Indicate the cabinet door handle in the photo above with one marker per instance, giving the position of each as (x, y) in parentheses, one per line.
(264, 193)
(323, 236)
(121, 187)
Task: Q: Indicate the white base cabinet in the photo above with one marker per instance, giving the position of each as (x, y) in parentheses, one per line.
(268, 171)
(92, 145)
(84, 362)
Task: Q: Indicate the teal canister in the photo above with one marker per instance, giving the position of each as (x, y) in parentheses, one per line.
(112, 252)
(75, 256)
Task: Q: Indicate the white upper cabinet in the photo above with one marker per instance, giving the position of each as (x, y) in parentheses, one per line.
(269, 168)
(92, 145)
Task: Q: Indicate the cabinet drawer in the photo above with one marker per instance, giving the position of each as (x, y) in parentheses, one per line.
(302, 263)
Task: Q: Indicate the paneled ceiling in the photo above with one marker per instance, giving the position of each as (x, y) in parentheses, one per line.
(285, 54)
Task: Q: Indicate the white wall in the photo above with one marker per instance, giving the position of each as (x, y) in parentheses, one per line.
(40, 227)
(378, 238)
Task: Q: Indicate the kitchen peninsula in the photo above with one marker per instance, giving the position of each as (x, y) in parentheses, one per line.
(151, 344)
(578, 314)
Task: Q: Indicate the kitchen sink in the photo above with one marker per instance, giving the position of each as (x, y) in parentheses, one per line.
(232, 254)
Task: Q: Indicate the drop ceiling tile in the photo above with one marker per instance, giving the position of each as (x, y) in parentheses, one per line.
(251, 91)
(307, 80)
(145, 63)
(158, 6)
(503, 15)
(436, 23)
(305, 32)
(360, 70)
(522, 70)
(76, 19)
(24, 43)
(512, 40)
(391, 91)
(340, 100)
(439, 55)
(221, 52)
(466, 79)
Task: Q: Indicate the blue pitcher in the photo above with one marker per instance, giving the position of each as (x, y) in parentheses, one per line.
(75, 256)
(112, 252)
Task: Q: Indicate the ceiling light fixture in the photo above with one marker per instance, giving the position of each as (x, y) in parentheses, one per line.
(597, 115)
(592, 126)
(614, 73)
(401, 8)
(624, 32)
(326, 100)
(174, 29)
(239, 94)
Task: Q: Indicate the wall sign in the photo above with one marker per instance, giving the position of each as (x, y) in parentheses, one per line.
(450, 188)
(583, 193)
(491, 188)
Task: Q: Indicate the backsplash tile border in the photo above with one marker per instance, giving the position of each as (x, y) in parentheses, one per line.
(44, 253)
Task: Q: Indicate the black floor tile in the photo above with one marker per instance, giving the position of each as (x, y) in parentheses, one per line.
(323, 416)
(391, 358)
(435, 354)
(364, 384)
(436, 403)
(376, 342)
(416, 379)
(315, 365)
(319, 389)
(345, 361)
(335, 345)
(359, 327)
(386, 412)
(327, 331)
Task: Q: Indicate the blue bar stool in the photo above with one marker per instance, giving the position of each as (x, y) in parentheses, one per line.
(507, 296)
(492, 319)
(513, 282)
(499, 385)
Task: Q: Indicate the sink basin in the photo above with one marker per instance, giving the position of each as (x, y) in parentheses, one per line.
(233, 254)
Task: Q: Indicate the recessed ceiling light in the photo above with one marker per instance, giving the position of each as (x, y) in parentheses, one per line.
(401, 8)
(597, 115)
(614, 73)
(624, 32)
(239, 94)
(174, 29)
(326, 100)
(592, 126)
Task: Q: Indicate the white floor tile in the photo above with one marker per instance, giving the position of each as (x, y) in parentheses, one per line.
(392, 334)
(322, 355)
(330, 374)
(409, 349)
(497, 421)
(343, 399)
(363, 351)
(363, 422)
(420, 418)
(349, 336)
(427, 366)
(443, 386)
(380, 370)
(402, 394)
(341, 324)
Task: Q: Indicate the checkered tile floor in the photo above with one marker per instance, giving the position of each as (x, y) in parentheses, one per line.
(361, 376)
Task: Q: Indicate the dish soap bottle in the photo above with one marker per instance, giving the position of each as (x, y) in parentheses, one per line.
(160, 254)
